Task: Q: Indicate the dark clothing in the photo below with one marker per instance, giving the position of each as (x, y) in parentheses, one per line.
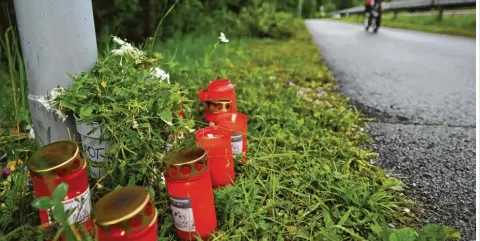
(368, 8)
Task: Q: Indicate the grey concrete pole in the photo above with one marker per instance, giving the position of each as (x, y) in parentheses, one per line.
(57, 37)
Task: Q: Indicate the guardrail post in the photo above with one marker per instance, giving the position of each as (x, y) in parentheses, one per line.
(57, 37)
(395, 13)
(440, 14)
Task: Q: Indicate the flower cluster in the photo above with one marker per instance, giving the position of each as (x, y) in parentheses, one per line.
(126, 48)
(11, 167)
(161, 74)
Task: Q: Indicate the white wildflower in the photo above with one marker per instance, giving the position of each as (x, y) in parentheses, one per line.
(31, 132)
(125, 48)
(162, 178)
(119, 40)
(135, 124)
(223, 38)
(55, 92)
(161, 74)
(407, 210)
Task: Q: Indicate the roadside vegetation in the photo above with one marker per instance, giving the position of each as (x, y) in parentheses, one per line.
(460, 25)
(308, 175)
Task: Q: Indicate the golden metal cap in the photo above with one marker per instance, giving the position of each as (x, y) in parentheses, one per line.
(186, 162)
(62, 156)
(125, 210)
(120, 205)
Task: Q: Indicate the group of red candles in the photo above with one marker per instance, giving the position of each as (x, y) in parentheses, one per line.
(191, 174)
(211, 165)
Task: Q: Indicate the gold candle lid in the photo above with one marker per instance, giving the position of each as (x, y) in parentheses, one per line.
(55, 157)
(186, 162)
(120, 205)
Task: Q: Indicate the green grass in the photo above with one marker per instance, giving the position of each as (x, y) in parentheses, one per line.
(307, 175)
(12, 77)
(460, 25)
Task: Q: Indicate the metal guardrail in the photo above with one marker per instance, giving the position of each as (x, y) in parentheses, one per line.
(412, 5)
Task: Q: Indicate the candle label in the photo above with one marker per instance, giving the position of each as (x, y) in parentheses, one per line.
(237, 144)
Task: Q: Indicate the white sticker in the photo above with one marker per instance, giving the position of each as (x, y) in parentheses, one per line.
(237, 144)
(83, 207)
(182, 213)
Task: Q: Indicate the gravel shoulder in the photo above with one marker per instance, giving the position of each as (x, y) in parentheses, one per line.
(438, 165)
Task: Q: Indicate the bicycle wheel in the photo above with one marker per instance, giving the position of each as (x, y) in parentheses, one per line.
(367, 20)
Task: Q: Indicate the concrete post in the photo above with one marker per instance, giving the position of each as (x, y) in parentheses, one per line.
(57, 37)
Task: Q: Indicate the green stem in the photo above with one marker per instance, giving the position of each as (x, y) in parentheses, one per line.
(159, 24)
(11, 68)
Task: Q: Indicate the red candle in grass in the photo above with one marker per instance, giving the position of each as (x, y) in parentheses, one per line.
(236, 124)
(189, 186)
(56, 163)
(222, 91)
(218, 145)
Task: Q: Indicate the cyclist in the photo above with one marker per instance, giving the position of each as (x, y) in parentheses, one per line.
(371, 5)
(368, 6)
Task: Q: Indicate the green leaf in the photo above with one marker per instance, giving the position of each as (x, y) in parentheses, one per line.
(327, 219)
(345, 217)
(451, 233)
(59, 213)
(86, 111)
(166, 115)
(393, 184)
(42, 203)
(403, 234)
(437, 232)
(351, 232)
(152, 192)
(60, 192)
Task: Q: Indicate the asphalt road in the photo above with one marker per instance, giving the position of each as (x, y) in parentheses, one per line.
(420, 88)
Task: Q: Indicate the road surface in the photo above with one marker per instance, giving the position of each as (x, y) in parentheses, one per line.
(420, 87)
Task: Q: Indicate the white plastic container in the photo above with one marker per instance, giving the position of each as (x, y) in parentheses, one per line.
(93, 149)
